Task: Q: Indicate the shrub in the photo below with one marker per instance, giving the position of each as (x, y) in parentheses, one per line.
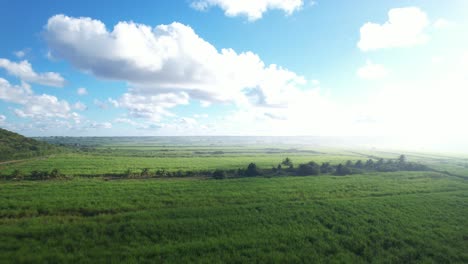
(16, 175)
(310, 168)
(55, 173)
(219, 174)
(252, 170)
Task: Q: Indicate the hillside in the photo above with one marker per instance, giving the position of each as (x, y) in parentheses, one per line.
(15, 146)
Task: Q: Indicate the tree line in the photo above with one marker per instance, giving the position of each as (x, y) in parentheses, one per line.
(285, 168)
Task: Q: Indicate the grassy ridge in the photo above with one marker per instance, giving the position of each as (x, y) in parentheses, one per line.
(382, 217)
(14, 146)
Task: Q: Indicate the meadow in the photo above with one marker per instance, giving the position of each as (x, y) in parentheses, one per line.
(385, 218)
(378, 217)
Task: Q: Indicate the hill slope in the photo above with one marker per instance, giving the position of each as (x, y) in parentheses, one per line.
(15, 146)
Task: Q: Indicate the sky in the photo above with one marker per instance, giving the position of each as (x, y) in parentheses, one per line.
(389, 68)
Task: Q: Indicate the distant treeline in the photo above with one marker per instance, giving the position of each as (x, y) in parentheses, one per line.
(285, 168)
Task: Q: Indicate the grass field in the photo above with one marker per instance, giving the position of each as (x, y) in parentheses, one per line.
(90, 164)
(391, 217)
(386, 218)
(114, 155)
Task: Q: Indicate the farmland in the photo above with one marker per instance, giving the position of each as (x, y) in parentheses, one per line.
(387, 217)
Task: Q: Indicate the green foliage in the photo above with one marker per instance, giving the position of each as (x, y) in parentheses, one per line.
(310, 168)
(287, 162)
(219, 174)
(252, 170)
(14, 146)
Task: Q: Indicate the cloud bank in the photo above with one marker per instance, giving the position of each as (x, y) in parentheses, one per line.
(167, 65)
(253, 10)
(24, 71)
(405, 28)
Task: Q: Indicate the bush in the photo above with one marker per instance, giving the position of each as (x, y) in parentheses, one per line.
(342, 170)
(145, 173)
(252, 170)
(219, 174)
(311, 168)
(55, 173)
(39, 175)
(16, 175)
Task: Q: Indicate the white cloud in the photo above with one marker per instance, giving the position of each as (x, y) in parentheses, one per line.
(405, 28)
(25, 72)
(100, 104)
(98, 125)
(21, 53)
(372, 71)
(82, 91)
(44, 106)
(2, 119)
(167, 61)
(18, 94)
(79, 106)
(252, 9)
(152, 107)
(34, 106)
(113, 102)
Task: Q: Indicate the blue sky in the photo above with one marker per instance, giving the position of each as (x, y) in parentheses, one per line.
(224, 67)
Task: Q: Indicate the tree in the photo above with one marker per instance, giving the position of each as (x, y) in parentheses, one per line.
(252, 170)
(326, 167)
(342, 170)
(402, 159)
(145, 172)
(359, 164)
(349, 163)
(219, 174)
(310, 168)
(380, 162)
(288, 162)
(369, 164)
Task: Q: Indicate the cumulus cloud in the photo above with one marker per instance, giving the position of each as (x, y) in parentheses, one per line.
(372, 71)
(167, 62)
(82, 91)
(25, 72)
(153, 107)
(79, 106)
(21, 53)
(405, 28)
(2, 119)
(100, 104)
(252, 9)
(34, 106)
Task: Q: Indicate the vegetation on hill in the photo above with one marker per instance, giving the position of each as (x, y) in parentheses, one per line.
(15, 146)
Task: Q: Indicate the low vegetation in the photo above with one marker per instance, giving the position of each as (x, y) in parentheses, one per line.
(14, 146)
(285, 168)
(380, 217)
(201, 201)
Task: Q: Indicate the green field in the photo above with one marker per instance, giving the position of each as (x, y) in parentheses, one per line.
(378, 217)
(387, 218)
